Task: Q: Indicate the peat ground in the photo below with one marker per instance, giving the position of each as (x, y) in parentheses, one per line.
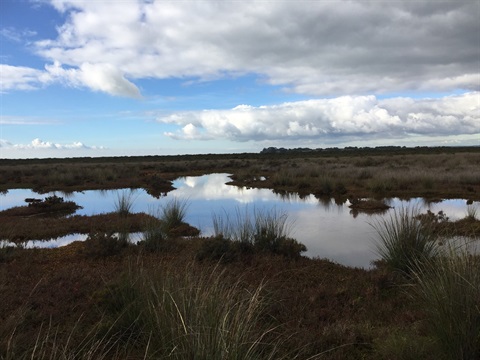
(317, 308)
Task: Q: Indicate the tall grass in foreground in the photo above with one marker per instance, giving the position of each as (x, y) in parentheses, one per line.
(171, 314)
(124, 202)
(48, 345)
(449, 292)
(403, 241)
(191, 315)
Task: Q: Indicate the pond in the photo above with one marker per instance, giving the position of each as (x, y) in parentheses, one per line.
(329, 230)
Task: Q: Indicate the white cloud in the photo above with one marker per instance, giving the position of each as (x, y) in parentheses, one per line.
(38, 144)
(347, 116)
(310, 47)
(24, 120)
(318, 48)
(18, 77)
(107, 78)
(15, 35)
(98, 77)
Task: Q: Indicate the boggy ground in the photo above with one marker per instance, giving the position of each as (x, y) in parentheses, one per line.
(316, 306)
(421, 172)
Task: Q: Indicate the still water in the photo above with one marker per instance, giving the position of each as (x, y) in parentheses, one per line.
(329, 230)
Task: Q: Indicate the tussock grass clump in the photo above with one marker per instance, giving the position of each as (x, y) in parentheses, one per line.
(449, 292)
(190, 315)
(124, 202)
(162, 227)
(472, 212)
(404, 241)
(264, 231)
(173, 214)
(154, 237)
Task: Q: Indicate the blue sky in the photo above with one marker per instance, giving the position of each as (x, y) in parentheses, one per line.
(134, 77)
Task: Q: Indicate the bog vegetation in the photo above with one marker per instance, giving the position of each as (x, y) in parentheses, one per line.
(246, 292)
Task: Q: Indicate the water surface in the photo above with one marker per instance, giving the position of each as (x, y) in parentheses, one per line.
(329, 230)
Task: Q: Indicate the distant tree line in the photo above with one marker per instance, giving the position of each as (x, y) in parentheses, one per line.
(349, 149)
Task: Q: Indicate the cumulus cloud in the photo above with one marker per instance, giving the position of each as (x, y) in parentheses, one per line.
(346, 116)
(310, 47)
(98, 77)
(38, 144)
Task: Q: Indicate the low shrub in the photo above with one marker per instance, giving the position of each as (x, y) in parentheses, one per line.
(223, 250)
(100, 245)
(7, 251)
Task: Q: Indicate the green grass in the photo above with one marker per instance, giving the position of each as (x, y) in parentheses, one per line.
(449, 293)
(403, 241)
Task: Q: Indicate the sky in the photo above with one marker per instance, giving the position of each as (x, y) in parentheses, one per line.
(148, 77)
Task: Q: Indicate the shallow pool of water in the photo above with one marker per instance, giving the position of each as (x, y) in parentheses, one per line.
(329, 230)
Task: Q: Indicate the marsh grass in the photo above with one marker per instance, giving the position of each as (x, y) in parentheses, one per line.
(472, 212)
(403, 241)
(190, 315)
(154, 236)
(262, 231)
(124, 202)
(449, 293)
(160, 229)
(50, 343)
(172, 214)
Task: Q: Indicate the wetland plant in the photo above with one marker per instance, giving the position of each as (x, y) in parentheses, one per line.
(161, 227)
(173, 214)
(154, 236)
(449, 292)
(190, 314)
(403, 241)
(124, 202)
(101, 244)
(472, 212)
(264, 231)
